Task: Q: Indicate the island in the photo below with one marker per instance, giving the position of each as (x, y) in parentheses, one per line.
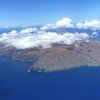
(58, 57)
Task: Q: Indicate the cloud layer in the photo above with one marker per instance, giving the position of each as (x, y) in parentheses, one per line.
(93, 24)
(32, 37)
(42, 37)
(68, 23)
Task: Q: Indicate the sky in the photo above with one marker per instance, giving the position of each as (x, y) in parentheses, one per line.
(38, 12)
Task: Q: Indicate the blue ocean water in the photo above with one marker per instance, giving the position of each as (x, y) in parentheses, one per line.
(77, 84)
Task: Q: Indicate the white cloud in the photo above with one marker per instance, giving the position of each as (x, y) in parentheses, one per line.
(93, 24)
(48, 27)
(63, 23)
(94, 33)
(67, 23)
(28, 30)
(27, 39)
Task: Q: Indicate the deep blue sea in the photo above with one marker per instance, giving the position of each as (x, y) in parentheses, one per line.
(77, 84)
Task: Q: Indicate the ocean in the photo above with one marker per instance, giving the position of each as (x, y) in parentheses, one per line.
(77, 84)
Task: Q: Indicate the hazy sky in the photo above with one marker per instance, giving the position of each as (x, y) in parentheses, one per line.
(32, 12)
